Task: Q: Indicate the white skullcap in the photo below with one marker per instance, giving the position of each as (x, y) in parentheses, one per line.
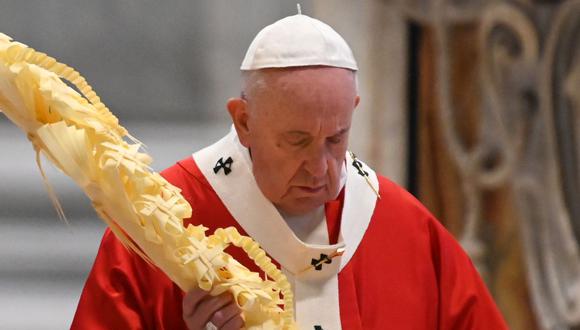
(298, 40)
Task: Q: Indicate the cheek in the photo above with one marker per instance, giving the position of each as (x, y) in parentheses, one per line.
(287, 166)
(334, 168)
(274, 169)
(336, 162)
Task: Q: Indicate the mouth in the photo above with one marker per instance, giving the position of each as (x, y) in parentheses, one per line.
(311, 190)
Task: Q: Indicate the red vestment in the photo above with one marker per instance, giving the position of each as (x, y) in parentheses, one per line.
(407, 272)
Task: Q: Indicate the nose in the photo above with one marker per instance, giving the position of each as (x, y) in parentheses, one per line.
(316, 163)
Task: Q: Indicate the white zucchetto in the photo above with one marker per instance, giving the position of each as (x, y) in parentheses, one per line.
(298, 40)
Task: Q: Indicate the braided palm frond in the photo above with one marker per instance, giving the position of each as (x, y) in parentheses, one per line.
(81, 137)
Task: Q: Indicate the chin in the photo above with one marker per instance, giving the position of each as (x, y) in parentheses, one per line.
(301, 205)
(298, 202)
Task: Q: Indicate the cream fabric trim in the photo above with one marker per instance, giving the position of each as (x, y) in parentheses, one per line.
(358, 209)
(316, 291)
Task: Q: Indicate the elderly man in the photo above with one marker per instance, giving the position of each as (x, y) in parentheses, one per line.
(359, 251)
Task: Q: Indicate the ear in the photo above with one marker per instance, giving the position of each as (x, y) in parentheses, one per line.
(356, 101)
(238, 109)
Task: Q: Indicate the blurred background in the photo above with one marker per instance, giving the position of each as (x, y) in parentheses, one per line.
(471, 105)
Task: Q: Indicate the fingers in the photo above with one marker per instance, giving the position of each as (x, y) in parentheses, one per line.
(199, 308)
(208, 307)
(235, 323)
(223, 316)
(191, 300)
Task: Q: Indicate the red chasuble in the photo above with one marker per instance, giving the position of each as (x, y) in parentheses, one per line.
(407, 272)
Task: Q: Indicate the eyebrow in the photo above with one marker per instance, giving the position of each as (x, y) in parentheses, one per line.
(342, 131)
(298, 132)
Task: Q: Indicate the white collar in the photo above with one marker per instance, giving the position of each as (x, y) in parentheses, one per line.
(242, 197)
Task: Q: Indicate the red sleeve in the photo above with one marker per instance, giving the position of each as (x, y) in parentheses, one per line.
(464, 301)
(124, 292)
(110, 299)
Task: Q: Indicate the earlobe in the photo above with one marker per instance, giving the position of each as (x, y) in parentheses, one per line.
(356, 101)
(237, 108)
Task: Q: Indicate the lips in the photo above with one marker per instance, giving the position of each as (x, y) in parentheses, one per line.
(311, 190)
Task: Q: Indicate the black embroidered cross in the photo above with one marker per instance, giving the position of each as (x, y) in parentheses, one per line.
(359, 166)
(317, 327)
(318, 263)
(227, 165)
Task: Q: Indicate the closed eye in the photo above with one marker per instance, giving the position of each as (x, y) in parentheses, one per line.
(298, 142)
(337, 138)
(297, 138)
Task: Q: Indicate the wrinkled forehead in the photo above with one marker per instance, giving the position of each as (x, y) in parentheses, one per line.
(302, 97)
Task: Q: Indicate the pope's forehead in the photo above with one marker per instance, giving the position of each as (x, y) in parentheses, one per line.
(305, 94)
